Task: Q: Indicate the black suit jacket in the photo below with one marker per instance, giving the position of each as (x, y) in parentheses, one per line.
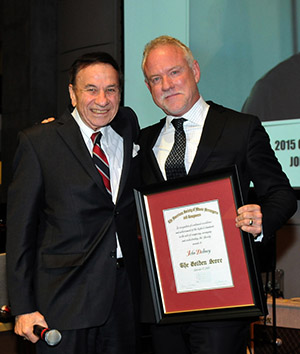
(231, 138)
(58, 208)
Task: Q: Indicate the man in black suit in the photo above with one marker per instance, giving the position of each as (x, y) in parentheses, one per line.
(72, 253)
(274, 96)
(216, 137)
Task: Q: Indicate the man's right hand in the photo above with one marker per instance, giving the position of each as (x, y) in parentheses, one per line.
(24, 325)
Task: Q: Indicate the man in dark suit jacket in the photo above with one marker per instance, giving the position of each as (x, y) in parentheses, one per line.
(72, 253)
(274, 96)
(216, 137)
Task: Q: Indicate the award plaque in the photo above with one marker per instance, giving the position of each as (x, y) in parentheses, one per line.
(200, 265)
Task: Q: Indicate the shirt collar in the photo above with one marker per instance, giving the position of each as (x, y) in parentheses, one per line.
(195, 115)
(86, 130)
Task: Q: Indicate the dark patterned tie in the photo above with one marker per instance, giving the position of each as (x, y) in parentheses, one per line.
(100, 160)
(174, 165)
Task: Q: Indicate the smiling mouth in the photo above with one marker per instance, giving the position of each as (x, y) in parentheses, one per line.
(99, 111)
(171, 95)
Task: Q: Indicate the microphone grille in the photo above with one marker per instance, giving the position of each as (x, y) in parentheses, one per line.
(53, 337)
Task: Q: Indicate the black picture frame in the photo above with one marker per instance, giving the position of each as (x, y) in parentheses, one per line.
(150, 202)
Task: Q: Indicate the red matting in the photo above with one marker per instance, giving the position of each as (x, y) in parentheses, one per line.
(241, 292)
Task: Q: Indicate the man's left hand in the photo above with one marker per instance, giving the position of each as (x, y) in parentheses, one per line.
(48, 120)
(249, 219)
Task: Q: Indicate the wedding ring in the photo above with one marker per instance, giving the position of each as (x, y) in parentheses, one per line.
(250, 222)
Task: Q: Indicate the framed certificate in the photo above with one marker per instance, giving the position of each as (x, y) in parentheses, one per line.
(200, 265)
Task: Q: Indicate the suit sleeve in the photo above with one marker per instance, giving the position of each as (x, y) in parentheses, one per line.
(135, 125)
(135, 137)
(275, 195)
(24, 203)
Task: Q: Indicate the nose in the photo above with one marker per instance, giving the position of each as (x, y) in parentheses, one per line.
(167, 83)
(101, 98)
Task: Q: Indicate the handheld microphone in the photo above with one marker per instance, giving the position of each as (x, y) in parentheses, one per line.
(50, 336)
(5, 314)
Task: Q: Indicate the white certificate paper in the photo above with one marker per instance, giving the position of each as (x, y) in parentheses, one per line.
(198, 248)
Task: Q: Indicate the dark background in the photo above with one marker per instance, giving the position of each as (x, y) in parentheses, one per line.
(39, 40)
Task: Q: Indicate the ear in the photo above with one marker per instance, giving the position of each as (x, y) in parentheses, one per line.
(196, 71)
(72, 95)
(147, 84)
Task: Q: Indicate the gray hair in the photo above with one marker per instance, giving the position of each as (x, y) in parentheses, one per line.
(166, 40)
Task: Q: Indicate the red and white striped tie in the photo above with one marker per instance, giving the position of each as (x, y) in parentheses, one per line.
(100, 160)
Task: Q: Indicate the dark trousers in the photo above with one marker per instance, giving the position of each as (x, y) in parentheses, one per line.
(116, 336)
(196, 338)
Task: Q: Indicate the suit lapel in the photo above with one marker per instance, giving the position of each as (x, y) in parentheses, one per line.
(213, 127)
(154, 134)
(121, 125)
(70, 133)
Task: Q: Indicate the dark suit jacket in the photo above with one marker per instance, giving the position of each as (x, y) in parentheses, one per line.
(58, 208)
(231, 138)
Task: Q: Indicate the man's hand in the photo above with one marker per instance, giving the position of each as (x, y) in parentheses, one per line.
(48, 120)
(249, 219)
(24, 325)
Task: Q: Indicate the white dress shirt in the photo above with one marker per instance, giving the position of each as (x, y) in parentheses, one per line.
(193, 130)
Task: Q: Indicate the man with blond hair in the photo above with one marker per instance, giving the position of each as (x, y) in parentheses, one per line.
(212, 137)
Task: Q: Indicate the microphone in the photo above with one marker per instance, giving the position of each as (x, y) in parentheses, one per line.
(5, 314)
(50, 336)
